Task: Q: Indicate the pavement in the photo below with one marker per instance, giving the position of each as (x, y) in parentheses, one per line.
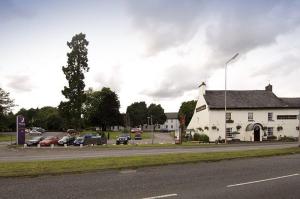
(271, 177)
(46, 153)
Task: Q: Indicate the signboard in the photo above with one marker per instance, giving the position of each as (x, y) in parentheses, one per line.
(20, 129)
(201, 108)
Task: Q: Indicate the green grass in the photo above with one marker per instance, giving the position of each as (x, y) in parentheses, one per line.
(7, 138)
(35, 168)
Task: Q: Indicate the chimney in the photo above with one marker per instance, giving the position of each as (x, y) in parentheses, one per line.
(202, 88)
(268, 88)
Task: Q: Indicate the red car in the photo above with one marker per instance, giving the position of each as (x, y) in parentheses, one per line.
(49, 140)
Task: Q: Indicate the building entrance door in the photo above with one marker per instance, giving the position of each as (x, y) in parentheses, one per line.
(256, 133)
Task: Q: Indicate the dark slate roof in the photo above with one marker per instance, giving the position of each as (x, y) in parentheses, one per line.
(171, 115)
(292, 102)
(249, 99)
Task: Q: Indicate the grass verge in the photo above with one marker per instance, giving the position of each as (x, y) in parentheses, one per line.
(36, 168)
(7, 138)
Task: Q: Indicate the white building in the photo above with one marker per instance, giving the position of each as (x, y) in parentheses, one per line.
(252, 115)
(171, 124)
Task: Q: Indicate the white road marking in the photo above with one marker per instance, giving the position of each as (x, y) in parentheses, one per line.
(257, 181)
(163, 196)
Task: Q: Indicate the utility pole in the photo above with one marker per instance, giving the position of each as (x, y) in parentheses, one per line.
(225, 94)
(299, 129)
(152, 130)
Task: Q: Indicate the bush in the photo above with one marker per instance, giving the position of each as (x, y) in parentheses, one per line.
(201, 137)
(272, 137)
(287, 139)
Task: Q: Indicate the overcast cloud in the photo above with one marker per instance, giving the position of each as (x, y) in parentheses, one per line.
(150, 50)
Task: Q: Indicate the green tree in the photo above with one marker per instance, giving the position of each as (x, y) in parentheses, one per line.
(74, 71)
(157, 113)
(5, 102)
(187, 109)
(137, 113)
(102, 108)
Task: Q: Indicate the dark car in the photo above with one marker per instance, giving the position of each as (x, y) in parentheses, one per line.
(90, 139)
(138, 136)
(34, 141)
(123, 139)
(68, 140)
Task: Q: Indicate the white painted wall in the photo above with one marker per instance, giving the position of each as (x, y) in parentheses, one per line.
(209, 118)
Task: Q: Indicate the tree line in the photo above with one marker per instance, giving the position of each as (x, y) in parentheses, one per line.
(85, 108)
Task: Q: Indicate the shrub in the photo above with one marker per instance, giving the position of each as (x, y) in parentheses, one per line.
(238, 127)
(201, 137)
(272, 137)
(204, 138)
(196, 137)
(206, 128)
(279, 128)
(213, 127)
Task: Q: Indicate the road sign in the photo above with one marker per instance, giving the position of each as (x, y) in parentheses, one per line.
(20, 129)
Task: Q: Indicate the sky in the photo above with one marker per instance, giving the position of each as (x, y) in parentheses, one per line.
(149, 50)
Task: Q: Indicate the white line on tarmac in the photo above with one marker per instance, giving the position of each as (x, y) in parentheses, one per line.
(163, 196)
(257, 181)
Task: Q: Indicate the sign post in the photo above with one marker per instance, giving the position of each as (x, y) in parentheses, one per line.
(299, 129)
(20, 129)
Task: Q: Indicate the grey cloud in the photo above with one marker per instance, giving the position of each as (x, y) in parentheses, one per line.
(20, 83)
(180, 79)
(230, 26)
(112, 79)
(10, 10)
(165, 23)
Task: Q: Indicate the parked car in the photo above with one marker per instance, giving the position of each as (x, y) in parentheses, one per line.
(39, 129)
(138, 136)
(123, 139)
(34, 141)
(90, 139)
(68, 140)
(49, 140)
(35, 132)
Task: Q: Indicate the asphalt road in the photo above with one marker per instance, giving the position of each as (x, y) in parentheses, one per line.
(31, 154)
(272, 177)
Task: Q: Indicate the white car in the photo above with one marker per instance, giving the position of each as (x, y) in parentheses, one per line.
(35, 132)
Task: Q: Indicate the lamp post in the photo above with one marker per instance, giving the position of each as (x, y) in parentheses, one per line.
(152, 130)
(299, 129)
(231, 59)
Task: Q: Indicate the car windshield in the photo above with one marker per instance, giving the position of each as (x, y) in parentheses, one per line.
(65, 138)
(36, 138)
(79, 139)
(49, 138)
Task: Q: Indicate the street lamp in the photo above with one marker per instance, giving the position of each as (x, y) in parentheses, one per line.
(299, 129)
(231, 59)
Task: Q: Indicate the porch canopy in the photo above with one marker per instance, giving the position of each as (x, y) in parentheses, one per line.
(251, 126)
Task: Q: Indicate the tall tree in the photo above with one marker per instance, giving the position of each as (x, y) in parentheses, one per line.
(157, 113)
(187, 109)
(102, 108)
(5, 102)
(137, 113)
(74, 71)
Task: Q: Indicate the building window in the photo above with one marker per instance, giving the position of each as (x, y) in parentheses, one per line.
(171, 126)
(270, 131)
(286, 117)
(166, 126)
(250, 117)
(270, 116)
(171, 120)
(158, 126)
(228, 116)
(229, 132)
